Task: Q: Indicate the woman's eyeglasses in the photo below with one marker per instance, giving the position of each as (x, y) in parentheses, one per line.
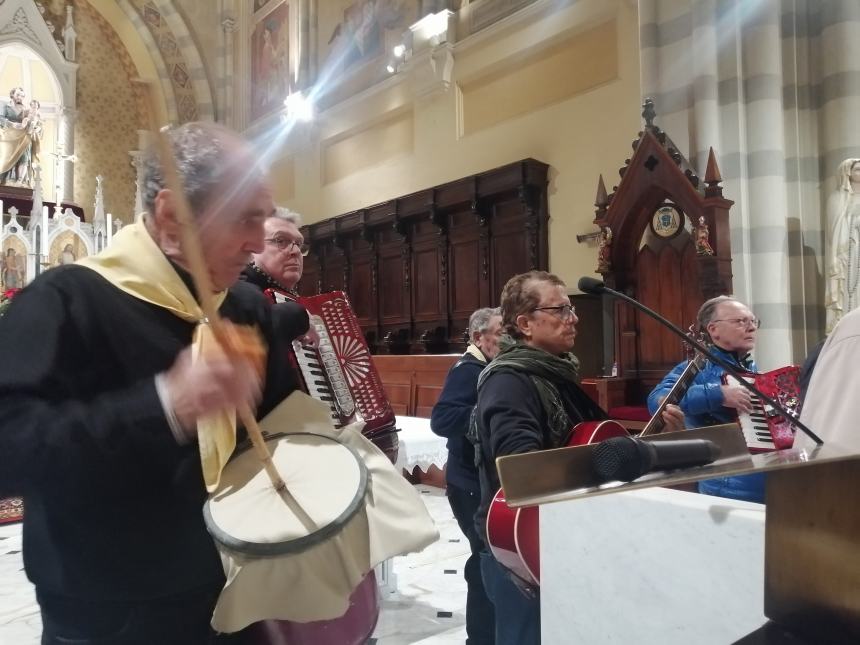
(285, 244)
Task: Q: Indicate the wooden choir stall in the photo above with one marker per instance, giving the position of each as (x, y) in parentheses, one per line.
(415, 268)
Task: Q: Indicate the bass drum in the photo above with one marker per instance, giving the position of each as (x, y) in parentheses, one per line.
(355, 627)
(269, 534)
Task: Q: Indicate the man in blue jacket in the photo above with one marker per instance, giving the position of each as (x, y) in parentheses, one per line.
(731, 327)
(450, 419)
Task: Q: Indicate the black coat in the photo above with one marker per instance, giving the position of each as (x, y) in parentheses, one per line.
(450, 419)
(112, 501)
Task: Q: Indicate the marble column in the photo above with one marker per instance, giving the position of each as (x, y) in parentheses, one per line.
(66, 181)
(137, 164)
(229, 26)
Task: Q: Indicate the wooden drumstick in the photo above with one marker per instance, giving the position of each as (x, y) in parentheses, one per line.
(193, 252)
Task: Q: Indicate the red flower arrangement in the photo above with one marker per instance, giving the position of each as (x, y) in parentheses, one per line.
(6, 299)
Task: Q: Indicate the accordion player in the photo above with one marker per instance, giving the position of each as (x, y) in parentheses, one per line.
(339, 370)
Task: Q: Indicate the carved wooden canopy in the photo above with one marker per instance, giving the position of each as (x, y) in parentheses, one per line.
(665, 241)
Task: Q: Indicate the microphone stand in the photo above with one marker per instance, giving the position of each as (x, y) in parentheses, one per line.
(590, 285)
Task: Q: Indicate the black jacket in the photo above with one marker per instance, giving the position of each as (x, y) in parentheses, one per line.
(511, 421)
(289, 319)
(450, 419)
(112, 501)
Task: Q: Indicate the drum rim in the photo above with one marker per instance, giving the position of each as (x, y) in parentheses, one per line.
(296, 545)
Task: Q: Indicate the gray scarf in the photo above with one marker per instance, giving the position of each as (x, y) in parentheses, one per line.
(547, 372)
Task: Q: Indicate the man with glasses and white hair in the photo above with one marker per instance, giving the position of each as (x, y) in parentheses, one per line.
(277, 269)
(528, 399)
(731, 328)
(450, 419)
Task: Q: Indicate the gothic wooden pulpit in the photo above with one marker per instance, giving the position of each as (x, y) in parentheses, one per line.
(664, 241)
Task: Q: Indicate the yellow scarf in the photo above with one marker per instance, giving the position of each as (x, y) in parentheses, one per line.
(136, 265)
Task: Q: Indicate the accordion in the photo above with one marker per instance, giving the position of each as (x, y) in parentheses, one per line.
(766, 428)
(340, 371)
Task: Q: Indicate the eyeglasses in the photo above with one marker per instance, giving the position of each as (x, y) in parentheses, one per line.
(565, 312)
(285, 244)
(741, 322)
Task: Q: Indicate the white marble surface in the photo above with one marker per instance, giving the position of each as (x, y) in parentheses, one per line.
(20, 623)
(651, 566)
(410, 614)
(419, 446)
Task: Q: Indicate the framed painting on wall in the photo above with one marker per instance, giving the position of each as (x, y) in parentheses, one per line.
(270, 60)
(362, 33)
(13, 270)
(66, 248)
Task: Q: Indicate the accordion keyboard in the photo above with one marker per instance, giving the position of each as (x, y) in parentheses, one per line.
(323, 374)
(340, 371)
(765, 428)
(754, 425)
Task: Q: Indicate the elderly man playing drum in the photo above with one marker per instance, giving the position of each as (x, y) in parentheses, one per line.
(101, 401)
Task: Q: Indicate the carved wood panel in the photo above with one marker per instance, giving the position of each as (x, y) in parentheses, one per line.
(416, 267)
(657, 215)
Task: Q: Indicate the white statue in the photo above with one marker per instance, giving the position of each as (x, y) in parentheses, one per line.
(843, 257)
(70, 36)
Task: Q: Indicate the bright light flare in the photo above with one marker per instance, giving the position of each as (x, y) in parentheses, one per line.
(299, 107)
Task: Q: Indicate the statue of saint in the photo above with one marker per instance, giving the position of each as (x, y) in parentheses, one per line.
(20, 132)
(68, 255)
(604, 251)
(843, 254)
(703, 243)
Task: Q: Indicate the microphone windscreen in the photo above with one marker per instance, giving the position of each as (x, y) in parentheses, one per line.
(620, 458)
(590, 285)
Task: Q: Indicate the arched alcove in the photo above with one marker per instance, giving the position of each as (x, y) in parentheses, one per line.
(25, 35)
(22, 66)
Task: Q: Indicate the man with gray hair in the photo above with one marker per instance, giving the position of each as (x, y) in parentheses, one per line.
(731, 330)
(102, 385)
(450, 419)
(280, 263)
(277, 269)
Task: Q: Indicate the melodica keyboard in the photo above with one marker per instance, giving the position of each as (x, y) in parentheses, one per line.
(765, 428)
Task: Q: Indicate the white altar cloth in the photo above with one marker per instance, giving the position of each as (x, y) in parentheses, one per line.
(419, 446)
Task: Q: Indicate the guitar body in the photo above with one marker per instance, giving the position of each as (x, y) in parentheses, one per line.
(513, 533)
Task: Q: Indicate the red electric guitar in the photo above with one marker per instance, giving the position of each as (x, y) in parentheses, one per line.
(513, 534)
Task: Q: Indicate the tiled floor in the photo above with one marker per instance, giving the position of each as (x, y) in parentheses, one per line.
(427, 608)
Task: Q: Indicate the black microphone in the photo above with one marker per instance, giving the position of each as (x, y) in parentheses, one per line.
(593, 286)
(625, 458)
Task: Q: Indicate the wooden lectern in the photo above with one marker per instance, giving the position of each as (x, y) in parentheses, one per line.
(812, 525)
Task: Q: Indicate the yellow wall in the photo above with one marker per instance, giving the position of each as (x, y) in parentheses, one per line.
(109, 114)
(566, 86)
(132, 46)
(203, 20)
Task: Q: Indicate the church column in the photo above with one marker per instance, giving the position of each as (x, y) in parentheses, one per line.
(137, 163)
(138, 194)
(66, 181)
(229, 26)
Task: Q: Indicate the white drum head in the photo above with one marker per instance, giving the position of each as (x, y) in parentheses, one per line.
(325, 486)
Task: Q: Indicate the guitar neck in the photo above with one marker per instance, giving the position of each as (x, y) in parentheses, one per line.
(656, 424)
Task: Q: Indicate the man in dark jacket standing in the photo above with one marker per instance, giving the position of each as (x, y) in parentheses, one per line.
(450, 419)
